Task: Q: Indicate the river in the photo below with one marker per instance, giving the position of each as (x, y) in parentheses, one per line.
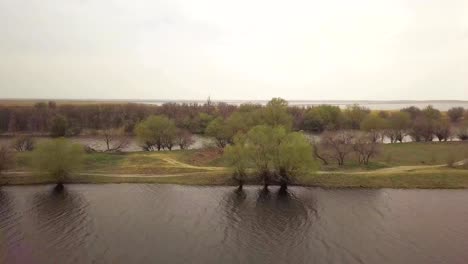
(141, 223)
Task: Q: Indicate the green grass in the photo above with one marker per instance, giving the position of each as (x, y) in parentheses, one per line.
(419, 153)
(444, 177)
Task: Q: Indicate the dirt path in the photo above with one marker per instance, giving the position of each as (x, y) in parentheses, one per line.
(178, 164)
(146, 176)
(397, 169)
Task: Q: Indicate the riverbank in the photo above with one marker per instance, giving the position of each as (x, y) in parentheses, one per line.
(409, 165)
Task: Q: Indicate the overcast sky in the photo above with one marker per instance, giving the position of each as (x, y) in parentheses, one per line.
(242, 49)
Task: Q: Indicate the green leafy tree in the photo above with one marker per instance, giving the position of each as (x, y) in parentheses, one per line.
(375, 126)
(274, 154)
(323, 117)
(59, 127)
(276, 114)
(238, 156)
(156, 132)
(263, 142)
(412, 111)
(354, 115)
(219, 130)
(243, 121)
(294, 158)
(58, 158)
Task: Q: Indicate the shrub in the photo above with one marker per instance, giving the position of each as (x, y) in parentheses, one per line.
(23, 143)
(6, 159)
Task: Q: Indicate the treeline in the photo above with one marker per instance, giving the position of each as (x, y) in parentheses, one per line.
(223, 121)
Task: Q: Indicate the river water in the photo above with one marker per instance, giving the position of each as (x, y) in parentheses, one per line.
(133, 223)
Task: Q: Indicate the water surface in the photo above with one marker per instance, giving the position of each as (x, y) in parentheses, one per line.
(132, 223)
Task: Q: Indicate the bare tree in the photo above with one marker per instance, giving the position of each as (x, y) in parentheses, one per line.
(365, 147)
(442, 130)
(23, 143)
(184, 139)
(338, 143)
(114, 139)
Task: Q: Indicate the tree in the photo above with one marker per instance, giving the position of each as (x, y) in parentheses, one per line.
(220, 132)
(442, 129)
(375, 126)
(365, 147)
(338, 144)
(422, 129)
(455, 114)
(59, 127)
(58, 158)
(323, 117)
(23, 143)
(156, 132)
(262, 142)
(354, 115)
(276, 114)
(243, 120)
(238, 158)
(412, 111)
(169, 136)
(398, 124)
(431, 113)
(274, 154)
(293, 158)
(7, 159)
(184, 139)
(462, 132)
(114, 139)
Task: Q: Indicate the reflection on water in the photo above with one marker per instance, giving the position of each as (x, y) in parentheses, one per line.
(131, 223)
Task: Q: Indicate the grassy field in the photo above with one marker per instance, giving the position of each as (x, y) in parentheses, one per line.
(408, 165)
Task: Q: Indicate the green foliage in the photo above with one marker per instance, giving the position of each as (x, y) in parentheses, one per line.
(238, 157)
(399, 120)
(294, 157)
(156, 132)
(373, 123)
(412, 111)
(431, 113)
(59, 126)
(323, 117)
(203, 119)
(58, 158)
(354, 115)
(243, 121)
(276, 114)
(219, 130)
(272, 152)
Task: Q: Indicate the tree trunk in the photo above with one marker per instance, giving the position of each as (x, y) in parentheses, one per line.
(241, 185)
(59, 187)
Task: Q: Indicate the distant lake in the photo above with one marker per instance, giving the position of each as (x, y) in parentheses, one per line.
(373, 105)
(141, 223)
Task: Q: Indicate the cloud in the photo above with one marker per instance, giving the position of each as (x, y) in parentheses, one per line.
(234, 49)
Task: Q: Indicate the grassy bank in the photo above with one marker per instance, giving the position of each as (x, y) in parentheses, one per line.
(409, 165)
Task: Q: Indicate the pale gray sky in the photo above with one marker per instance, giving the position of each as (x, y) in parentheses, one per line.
(243, 49)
